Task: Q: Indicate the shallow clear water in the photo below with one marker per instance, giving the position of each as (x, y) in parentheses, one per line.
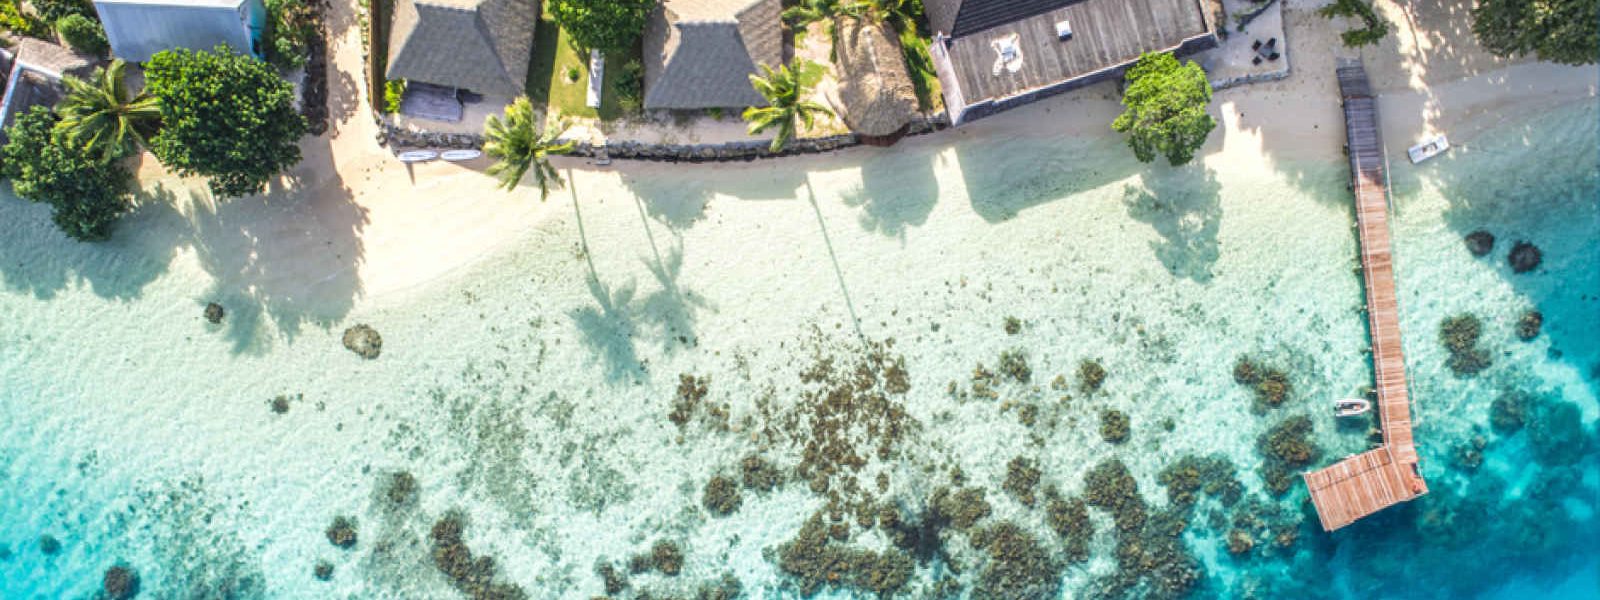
(533, 394)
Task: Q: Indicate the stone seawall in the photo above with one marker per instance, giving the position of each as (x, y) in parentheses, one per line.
(397, 139)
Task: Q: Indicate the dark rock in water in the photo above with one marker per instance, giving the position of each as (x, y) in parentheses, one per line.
(1509, 412)
(323, 571)
(722, 496)
(1524, 257)
(402, 488)
(49, 545)
(1480, 243)
(214, 313)
(5, 552)
(280, 403)
(120, 583)
(363, 340)
(342, 533)
(1530, 323)
(667, 557)
(1555, 433)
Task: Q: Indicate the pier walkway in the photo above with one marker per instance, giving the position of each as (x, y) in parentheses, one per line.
(1373, 480)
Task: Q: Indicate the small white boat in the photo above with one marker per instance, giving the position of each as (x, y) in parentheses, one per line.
(1351, 407)
(1429, 148)
(415, 156)
(460, 155)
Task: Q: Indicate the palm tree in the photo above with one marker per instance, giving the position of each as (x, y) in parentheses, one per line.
(520, 144)
(784, 89)
(98, 116)
(806, 12)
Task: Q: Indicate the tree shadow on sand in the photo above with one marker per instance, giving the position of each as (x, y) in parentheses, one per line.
(1005, 176)
(37, 259)
(898, 190)
(1183, 205)
(679, 199)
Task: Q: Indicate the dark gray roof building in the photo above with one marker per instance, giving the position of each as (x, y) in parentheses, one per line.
(995, 54)
(477, 45)
(701, 53)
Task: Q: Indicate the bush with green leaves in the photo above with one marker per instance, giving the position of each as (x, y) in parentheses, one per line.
(21, 22)
(87, 193)
(394, 91)
(1165, 109)
(1563, 31)
(604, 25)
(629, 87)
(1375, 26)
(225, 116)
(51, 11)
(291, 24)
(83, 34)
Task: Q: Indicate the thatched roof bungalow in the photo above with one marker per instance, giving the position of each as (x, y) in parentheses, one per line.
(875, 96)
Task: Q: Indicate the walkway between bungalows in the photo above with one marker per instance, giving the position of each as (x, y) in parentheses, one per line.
(1373, 480)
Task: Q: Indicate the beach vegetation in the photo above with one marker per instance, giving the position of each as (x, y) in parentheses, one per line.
(291, 25)
(1509, 412)
(1022, 476)
(787, 109)
(100, 117)
(1460, 334)
(1114, 425)
(87, 193)
(1091, 375)
(1165, 109)
(225, 116)
(83, 34)
(1286, 448)
(394, 92)
(721, 496)
(604, 25)
(1560, 31)
(520, 145)
(1373, 29)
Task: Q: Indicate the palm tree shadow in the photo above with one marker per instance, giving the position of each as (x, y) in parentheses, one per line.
(672, 308)
(609, 328)
(1186, 212)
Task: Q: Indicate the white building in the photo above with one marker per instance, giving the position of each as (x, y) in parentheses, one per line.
(137, 29)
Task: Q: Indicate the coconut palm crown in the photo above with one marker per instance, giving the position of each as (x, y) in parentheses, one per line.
(100, 118)
(520, 144)
(784, 88)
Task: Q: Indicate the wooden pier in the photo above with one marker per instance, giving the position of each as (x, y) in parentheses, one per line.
(1368, 482)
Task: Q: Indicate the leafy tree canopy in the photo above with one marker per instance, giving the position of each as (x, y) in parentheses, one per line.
(604, 25)
(1165, 109)
(519, 145)
(1563, 31)
(87, 192)
(225, 116)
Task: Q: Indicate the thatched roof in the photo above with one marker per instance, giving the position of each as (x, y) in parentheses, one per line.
(477, 45)
(701, 53)
(875, 94)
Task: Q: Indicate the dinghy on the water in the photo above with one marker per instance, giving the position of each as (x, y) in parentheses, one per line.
(415, 156)
(1429, 148)
(460, 155)
(1351, 407)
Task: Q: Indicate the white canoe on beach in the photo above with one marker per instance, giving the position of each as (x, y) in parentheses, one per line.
(413, 156)
(460, 155)
(1429, 148)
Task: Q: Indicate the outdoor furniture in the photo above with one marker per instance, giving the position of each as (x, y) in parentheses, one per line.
(1255, 60)
(1256, 46)
(1273, 56)
(1272, 42)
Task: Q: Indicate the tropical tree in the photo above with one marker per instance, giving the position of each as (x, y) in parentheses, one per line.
(1165, 109)
(519, 145)
(86, 192)
(1563, 31)
(99, 118)
(806, 12)
(604, 25)
(784, 89)
(225, 116)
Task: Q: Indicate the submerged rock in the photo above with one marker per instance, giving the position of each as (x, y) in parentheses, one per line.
(323, 571)
(49, 545)
(1460, 334)
(363, 340)
(1508, 412)
(1480, 243)
(214, 313)
(667, 557)
(1524, 257)
(1529, 325)
(342, 533)
(120, 583)
(1022, 475)
(721, 496)
(1114, 426)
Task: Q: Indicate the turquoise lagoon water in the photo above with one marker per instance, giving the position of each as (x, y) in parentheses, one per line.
(536, 397)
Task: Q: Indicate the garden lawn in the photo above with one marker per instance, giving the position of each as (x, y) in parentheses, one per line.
(548, 85)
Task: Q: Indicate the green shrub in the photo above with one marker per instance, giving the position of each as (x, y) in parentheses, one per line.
(394, 90)
(290, 26)
(83, 34)
(15, 20)
(88, 194)
(1374, 31)
(630, 87)
(51, 11)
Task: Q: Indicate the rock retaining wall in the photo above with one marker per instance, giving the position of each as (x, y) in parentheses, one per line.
(397, 139)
